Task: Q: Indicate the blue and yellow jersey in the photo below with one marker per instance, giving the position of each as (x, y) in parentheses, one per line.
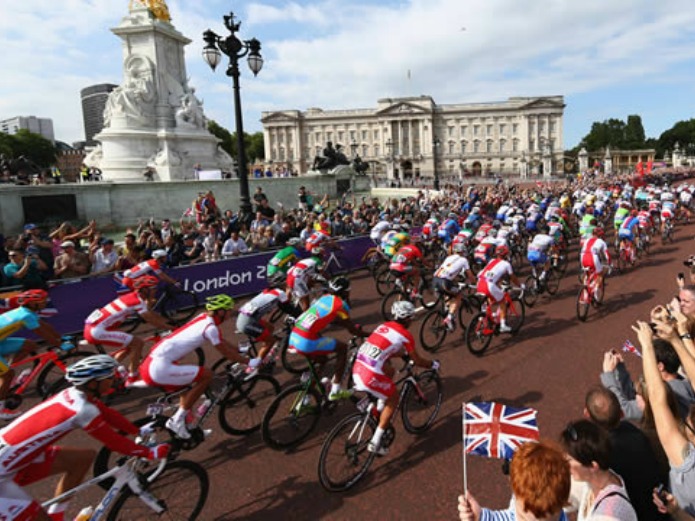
(16, 319)
(325, 310)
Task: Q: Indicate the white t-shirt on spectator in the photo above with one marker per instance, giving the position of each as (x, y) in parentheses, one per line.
(232, 247)
(104, 261)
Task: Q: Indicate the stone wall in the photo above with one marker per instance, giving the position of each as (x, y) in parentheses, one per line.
(121, 204)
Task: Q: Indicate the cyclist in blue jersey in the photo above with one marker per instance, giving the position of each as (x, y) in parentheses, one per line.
(629, 229)
(449, 228)
(23, 317)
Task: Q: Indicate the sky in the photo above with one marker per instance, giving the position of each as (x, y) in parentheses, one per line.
(609, 59)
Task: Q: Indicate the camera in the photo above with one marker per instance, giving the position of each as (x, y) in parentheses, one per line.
(33, 250)
(661, 491)
(689, 262)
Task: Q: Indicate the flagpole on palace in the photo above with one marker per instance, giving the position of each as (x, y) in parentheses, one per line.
(463, 445)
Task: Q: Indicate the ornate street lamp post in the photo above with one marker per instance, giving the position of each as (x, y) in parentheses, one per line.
(235, 49)
(435, 150)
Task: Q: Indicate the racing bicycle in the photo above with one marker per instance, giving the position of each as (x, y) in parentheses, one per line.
(433, 330)
(486, 324)
(539, 283)
(590, 294)
(344, 458)
(174, 303)
(427, 295)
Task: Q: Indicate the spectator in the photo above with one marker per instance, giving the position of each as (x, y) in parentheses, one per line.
(25, 269)
(258, 197)
(212, 243)
(174, 248)
(632, 456)
(540, 479)
(234, 246)
(104, 258)
(131, 258)
(34, 238)
(198, 209)
(71, 263)
(597, 491)
(67, 232)
(277, 223)
(259, 240)
(283, 235)
(128, 244)
(192, 249)
(259, 222)
(265, 210)
(166, 230)
(677, 438)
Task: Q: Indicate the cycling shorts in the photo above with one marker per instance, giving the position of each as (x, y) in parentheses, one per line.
(590, 260)
(15, 503)
(536, 257)
(160, 372)
(307, 347)
(400, 268)
(626, 234)
(97, 334)
(257, 330)
(376, 384)
(666, 214)
(446, 286)
(10, 346)
(490, 290)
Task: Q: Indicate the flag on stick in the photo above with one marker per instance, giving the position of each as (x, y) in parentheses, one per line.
(495, 430)
(629, 347)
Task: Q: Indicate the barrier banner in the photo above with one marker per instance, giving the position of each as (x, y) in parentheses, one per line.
(236, 277)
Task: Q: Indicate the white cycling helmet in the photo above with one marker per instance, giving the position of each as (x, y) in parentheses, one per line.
(294, 241)
(156, 254)
(97, 367)
(402, 309)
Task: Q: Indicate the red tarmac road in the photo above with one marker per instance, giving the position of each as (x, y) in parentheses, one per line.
(549, 365)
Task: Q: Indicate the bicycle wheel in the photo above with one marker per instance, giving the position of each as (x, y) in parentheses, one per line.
(433, 331)
(292, 361)
(182, 487)
(241, 411)
(469, 306)
(583, 303)
(51, 379)
(388, 300)
(531, 292)
(598, 292)
(552, 283)
(291, 417)
(421, 402)
(179, 306)
(516, 313)
(429, 295)
(384, 280)
(479, 334)
(344, 458)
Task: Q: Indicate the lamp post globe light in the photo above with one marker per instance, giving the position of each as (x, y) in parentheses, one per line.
(235, 49)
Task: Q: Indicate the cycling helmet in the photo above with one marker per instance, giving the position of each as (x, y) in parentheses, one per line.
(452, 215)
(97, 367)
(277, 279)
(339, 285)
(294, 241)
(157, 254)
(317, 250)
(32, 295)
(459, 247)
(217, 302)
(633, 213)
(146, 281)
(402, 310)
(599, 231)
(492, 233)
(502, 250)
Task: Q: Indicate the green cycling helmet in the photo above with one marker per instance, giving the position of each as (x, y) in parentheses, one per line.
(217, 302)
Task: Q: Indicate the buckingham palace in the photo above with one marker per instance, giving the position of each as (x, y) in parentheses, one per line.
(412, 138)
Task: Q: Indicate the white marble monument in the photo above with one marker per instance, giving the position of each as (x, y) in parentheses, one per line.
(154, 118)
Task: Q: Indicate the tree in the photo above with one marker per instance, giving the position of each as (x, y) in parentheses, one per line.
(682, 132)
(32, 146)
(634, 133)
(221, 133)
(256, 148)
(253, 143)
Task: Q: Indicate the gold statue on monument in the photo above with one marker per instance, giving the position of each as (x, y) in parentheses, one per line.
(157, 7)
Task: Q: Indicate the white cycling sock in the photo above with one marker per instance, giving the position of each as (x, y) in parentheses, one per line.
(378, 433)
(179, 415)
(503, 323)
(335, 387)
(56, 508)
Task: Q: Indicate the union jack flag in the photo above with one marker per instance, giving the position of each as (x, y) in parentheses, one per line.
(495, 430)
(629, 347)
(188, 212)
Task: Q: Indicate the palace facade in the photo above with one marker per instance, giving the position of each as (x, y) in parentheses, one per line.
(408, 138)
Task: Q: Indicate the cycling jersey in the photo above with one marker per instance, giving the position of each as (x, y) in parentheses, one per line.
(187, 338)
(394, 242)
(306, 335)
(282, 260)
(100, 324)
(620, 215)
(452, 267)
(141, 269)
(555, 231)
(490, 276)
(379, 229)
(11, 322)
(388, 340)
(405, 258)
(594, 250)
(250, 322)
(300, 274)
(316, 239)
(448, 229)
(538, 248)
(626, 228)
(485, 249)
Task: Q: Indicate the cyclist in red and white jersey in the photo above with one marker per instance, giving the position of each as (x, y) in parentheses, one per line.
(161, 368)
(373, 372)
(305, 274)
(320, 237)
(406, 263)
(594, 252)
(27, 446)
(152, 266)
(488, 282)
(101, 326)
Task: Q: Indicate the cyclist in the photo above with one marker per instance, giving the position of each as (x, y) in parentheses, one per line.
(31, 302)
(628, 231)
(161, 368)
(445, 277)
(489, 278)
(449, 228)
(283, 260)
(395, 241)
(594, 252)
(373, 371)
(429, 229)
(379, 229)
(621, 213)
(668, 210)
(306, 336)
(27, 446)
(406, 263)
(152, 266)
(250, 320)
(539, 252)
(486, 248)
(305, 274)
(320, 237)
(101, 326)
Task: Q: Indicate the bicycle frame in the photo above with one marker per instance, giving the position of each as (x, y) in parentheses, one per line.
(44, 359)
(125, 476)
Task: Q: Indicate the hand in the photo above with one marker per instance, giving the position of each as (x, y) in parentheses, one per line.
(666, 503)
(160, 451)
(682, 322)
(469, 509)
(147, 429)
(610, 362)
(644, 333)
